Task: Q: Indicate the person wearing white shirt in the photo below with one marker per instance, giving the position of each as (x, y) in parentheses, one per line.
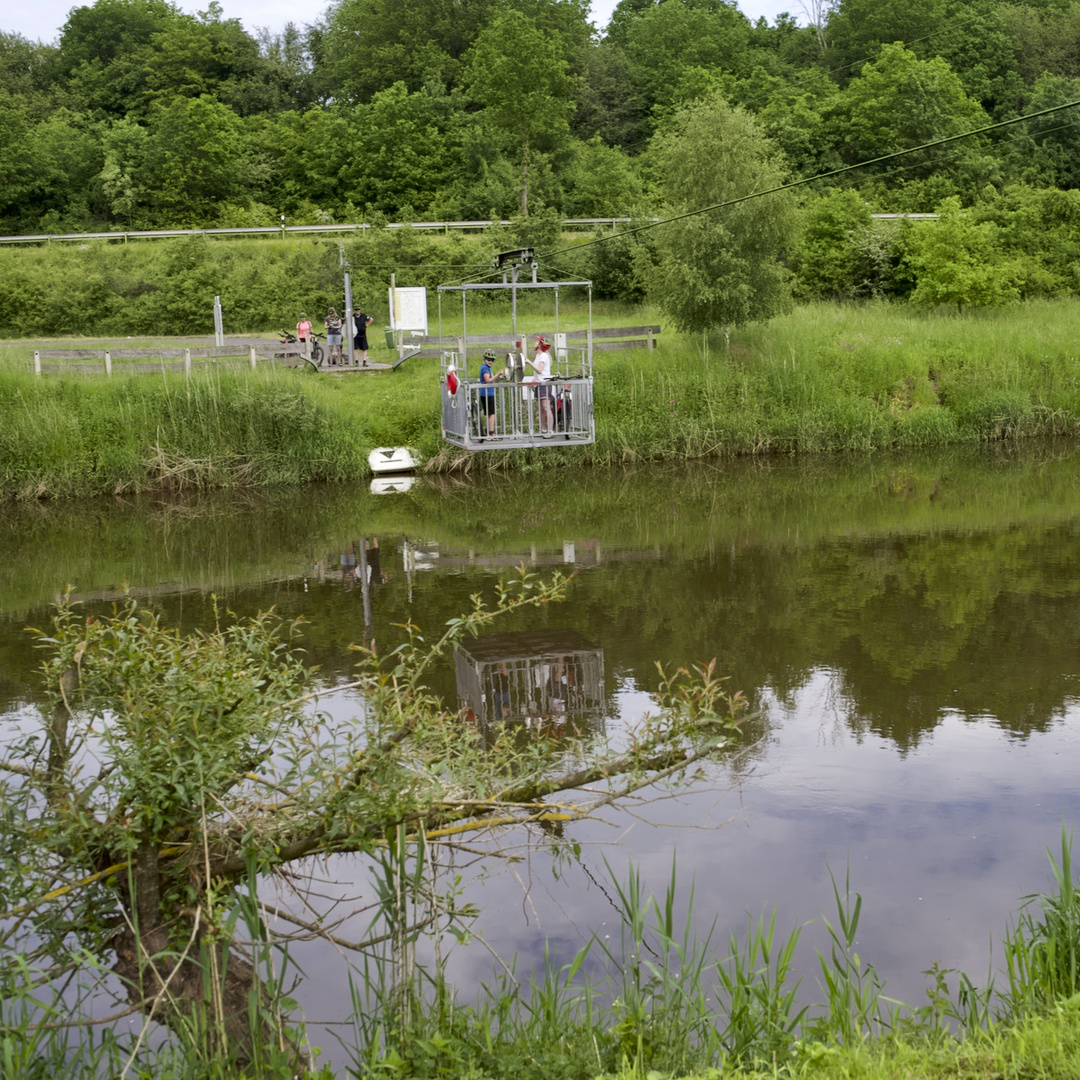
(541, 365)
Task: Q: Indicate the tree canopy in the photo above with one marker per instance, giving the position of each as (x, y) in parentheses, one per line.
(460, 109)
(721, 267)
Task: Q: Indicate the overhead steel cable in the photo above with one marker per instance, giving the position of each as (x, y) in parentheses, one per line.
(811, 179)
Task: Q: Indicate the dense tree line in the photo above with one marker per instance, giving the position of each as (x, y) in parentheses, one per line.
(141, 116)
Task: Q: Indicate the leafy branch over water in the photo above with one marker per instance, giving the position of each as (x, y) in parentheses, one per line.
(176, 771)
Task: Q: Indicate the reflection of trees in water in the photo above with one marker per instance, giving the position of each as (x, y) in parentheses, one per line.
(981, 624)
(914, 625)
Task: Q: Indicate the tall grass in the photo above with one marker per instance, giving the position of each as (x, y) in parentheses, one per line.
(1042, 950)
(656, 1003)
(827, 378)
(69, 436)
(660, 1003)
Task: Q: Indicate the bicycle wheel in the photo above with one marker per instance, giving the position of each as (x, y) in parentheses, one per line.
(316, 354)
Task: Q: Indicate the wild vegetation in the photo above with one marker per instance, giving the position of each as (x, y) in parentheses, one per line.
(142, 116)
(170, 773)
(173, 772)
(827, 377)
(142, 881)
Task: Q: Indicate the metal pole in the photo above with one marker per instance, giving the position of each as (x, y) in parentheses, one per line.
(365, 588)
(396, 332)
(348, 317)
(219, 332)
(513, 297)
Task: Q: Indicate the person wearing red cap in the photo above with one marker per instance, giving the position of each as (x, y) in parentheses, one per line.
(541, 364)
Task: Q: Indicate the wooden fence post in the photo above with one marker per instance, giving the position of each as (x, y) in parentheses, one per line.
(108, 363)
(251, 356)
(37, 362)
(651, 342)
(187, 363)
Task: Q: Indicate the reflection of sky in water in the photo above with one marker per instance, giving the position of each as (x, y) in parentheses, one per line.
(942, 839)
(942, 842)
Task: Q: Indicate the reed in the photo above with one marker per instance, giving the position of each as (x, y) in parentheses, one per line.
(826, 379)
(659, 1003)
(1042, 949)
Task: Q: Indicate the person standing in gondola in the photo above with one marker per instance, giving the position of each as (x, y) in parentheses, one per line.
(487, 392)
(541, 364)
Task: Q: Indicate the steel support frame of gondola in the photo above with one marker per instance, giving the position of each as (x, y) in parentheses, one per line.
(463, 421)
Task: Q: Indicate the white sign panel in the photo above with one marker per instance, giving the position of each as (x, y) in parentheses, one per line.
(408, 309)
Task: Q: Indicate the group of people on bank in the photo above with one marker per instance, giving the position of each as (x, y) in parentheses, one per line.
(353, 327)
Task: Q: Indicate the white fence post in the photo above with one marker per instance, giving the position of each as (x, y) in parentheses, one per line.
(251, 356)
(37, 362)
(187, 363)
(108, 363)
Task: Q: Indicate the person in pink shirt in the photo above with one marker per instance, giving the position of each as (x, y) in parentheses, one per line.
(303, 333)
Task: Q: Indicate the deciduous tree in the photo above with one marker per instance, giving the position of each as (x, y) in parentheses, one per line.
(670, 38)
(959, 261)
(721, 266)
(175, 770)
(900, 102)
(523, 80)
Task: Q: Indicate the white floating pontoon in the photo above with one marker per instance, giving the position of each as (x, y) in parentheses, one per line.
(393, 459)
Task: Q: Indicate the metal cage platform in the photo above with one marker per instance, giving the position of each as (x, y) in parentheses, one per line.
(515, 410)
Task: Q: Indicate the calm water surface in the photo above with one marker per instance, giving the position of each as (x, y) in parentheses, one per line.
(909, 629)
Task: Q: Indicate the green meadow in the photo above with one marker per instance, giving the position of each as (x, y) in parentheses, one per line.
(827, 378)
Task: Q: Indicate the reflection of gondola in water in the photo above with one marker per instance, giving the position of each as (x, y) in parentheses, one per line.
(549, 683)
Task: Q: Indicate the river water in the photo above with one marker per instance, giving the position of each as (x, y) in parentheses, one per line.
(907, 628)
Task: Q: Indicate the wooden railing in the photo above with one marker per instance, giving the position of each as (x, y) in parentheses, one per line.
(606, 340)
(164, 359)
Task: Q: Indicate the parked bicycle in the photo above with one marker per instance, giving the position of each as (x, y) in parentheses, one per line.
(314, 357)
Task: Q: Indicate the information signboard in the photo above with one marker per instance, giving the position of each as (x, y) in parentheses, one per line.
(408, 309)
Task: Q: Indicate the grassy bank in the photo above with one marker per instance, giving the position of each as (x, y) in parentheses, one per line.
(827, 378)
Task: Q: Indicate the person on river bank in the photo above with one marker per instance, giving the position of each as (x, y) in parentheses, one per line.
(360, 323)
(333, 337)
(304, 333)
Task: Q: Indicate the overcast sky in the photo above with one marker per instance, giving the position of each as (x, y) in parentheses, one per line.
(41, 20)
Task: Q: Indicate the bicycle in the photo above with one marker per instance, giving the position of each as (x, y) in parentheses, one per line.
(314, 358)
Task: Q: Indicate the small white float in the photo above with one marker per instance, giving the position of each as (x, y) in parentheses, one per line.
(393, 466)
(393, 459)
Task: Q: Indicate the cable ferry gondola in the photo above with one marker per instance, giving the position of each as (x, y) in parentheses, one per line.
(545, 399)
